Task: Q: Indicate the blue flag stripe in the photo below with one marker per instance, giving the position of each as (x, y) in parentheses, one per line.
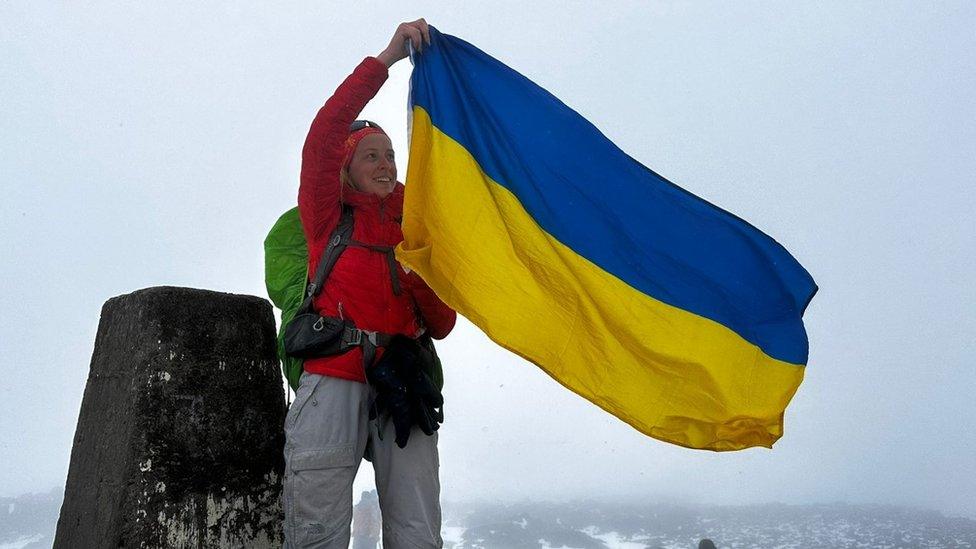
(615, 212)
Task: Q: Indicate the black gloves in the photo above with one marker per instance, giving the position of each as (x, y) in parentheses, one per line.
(404, 389)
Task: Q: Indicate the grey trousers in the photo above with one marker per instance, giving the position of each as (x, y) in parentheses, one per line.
(326, 432)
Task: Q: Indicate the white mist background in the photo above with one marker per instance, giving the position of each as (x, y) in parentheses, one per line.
(156, 145)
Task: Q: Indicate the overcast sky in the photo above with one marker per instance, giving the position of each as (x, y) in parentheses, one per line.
(156, 145)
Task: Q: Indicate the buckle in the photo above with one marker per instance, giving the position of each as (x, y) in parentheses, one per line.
(355, 336)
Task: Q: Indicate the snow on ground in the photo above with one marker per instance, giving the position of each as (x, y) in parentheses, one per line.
(543, 544)
(613, 540)
(452, 535)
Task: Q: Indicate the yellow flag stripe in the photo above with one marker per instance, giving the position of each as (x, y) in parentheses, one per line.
(669, 373)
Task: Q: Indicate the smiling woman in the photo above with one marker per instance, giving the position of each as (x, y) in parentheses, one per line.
(370, 379)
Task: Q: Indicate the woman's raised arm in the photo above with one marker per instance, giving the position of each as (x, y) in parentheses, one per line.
(319, 193)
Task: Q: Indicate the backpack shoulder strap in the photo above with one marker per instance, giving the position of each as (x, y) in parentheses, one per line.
(337, 244)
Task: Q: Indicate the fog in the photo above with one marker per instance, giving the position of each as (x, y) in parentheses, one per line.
(156, 145)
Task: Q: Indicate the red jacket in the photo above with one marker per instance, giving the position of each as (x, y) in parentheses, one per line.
(359, 287)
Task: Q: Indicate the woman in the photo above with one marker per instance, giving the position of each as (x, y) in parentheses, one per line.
(349, 164)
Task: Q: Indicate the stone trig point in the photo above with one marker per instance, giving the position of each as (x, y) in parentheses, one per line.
(180, 433)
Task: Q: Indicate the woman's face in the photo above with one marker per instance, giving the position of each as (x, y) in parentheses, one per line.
(372, 168)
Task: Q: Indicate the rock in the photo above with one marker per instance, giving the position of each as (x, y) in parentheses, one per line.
(367, 523)
(179, 439)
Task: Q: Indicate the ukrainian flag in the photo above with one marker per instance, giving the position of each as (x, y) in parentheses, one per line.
(666, 311)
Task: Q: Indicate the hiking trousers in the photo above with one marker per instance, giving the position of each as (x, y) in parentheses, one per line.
(327, 430)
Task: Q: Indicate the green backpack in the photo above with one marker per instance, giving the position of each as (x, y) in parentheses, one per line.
(286, 277)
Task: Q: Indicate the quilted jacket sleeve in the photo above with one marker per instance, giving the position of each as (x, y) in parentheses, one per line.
(437, 316)
(319, 193)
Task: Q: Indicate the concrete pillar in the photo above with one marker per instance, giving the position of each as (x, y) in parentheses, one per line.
(180, 433)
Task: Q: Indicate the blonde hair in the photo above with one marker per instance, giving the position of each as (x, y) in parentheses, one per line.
(346, 180)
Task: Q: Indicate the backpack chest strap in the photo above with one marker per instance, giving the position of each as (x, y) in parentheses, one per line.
(390, 260)
(340, 239)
